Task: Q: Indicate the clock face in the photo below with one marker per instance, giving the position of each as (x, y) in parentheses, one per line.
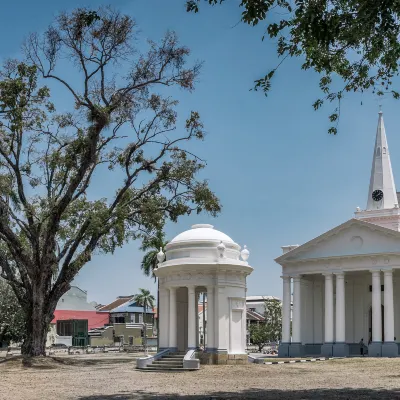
(377, 195)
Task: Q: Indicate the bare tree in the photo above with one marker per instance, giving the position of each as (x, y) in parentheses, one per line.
(119, 128)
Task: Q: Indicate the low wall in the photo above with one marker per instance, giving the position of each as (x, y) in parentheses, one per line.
(222, 359)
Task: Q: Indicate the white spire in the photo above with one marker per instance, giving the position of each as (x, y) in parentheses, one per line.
(382, 191)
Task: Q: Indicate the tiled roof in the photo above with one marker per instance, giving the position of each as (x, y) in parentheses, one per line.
(254, 299)
(116, 303)
(253, 315)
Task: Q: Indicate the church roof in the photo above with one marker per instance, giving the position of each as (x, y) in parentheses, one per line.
(381, 173)
(286, 256)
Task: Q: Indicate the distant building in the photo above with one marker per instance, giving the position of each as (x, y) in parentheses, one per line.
(257, 303)
(73, 318)
(124, 325)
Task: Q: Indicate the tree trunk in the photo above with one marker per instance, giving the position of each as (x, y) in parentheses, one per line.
(39, 315)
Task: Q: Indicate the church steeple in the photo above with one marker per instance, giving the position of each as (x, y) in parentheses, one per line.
(382, 191)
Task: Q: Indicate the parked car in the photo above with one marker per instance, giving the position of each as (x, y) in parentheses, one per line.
(59, 346)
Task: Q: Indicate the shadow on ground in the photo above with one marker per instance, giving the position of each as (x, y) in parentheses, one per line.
(50, 362)
(342, 394)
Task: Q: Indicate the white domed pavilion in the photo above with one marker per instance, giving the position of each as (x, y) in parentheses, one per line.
(203, 260)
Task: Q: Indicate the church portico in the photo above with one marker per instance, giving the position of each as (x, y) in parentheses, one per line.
(336, 309)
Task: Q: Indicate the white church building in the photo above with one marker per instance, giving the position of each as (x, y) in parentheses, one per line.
(346, 282)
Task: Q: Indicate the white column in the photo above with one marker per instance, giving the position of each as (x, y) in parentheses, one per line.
(210, 317)
(328, 308)
(173, 331)
(376, 307)
(192, 316)
(296, 335)
(286, 309)
(389, 309)
(163, 318)
(340, 309)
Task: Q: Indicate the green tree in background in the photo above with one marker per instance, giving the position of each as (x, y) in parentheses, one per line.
(146, 300)
(152, 245)
(12, 321)
(271, 329)
(353, 44)
(273, 319)
(117, 127)
(259, 335)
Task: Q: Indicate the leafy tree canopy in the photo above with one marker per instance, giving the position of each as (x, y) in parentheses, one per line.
(12, 321)
(353, 44)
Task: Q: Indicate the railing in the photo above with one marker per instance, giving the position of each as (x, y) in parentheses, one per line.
(143, 362)
(189, 362)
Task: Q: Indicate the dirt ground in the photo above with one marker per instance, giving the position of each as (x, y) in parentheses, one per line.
(114, 377)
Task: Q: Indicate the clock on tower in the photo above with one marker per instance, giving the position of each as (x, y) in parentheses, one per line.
(377, 195)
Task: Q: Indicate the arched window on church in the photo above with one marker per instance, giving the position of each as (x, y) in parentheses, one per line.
(383, 150)
(378, 151)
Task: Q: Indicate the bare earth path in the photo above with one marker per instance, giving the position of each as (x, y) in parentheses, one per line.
(111, 377)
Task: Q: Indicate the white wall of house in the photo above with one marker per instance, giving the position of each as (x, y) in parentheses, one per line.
(75, 299)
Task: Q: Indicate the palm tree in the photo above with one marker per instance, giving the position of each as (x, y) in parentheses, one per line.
(145, 300)
(152, 246)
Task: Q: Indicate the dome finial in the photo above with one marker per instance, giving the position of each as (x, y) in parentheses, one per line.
(221, 249)
(160, 256)
(245, 253)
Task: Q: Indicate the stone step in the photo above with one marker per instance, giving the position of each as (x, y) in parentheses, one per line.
(175, 355)
(172, 358)
(164, 366)
(163, 370)
(175, 362)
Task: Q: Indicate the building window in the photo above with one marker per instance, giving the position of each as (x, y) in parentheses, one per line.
(119, 320)
(64, 328)
(137, 319)
(383, 150)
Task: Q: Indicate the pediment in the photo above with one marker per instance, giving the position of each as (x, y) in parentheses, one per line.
(352, 238)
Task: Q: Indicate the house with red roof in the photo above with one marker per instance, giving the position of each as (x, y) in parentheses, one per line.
(73, 318)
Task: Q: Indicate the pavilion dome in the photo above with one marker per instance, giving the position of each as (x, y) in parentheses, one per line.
(202, 241)
(202, 232)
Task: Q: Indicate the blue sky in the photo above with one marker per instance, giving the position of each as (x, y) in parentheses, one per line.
(280, 177)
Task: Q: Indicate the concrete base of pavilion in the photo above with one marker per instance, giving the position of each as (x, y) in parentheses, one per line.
(390, 349)
(340, 350)
(222, 358)
(375, 349)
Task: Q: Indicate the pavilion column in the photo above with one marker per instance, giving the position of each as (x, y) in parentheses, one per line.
(388, 302)
(163, 319)
(328, 308)
(286, 309)
(173, 331)
(191, 317)
(296, 334)
(210, 318)
(340, 309)
(376, 307)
